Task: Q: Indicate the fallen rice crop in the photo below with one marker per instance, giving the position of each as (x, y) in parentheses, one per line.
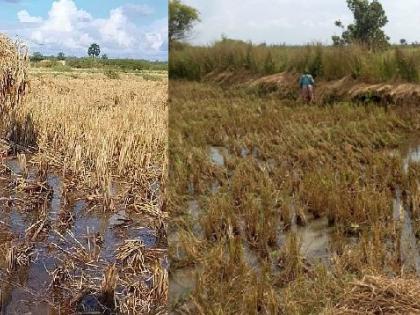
(278, 207)
(82, 171)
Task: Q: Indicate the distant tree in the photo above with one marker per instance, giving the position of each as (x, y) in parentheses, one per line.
(61, 56)
(403, 42)
(338, 40)
(37, 56)
(369, 19)
(104, 57)
(181, 19)
(94, 50)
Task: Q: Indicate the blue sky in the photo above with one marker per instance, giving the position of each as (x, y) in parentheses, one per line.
(293, 21)
(123, 28)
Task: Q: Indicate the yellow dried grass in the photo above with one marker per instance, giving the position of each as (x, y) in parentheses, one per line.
(382, 295)
(14, 64)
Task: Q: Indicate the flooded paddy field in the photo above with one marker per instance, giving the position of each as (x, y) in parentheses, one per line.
(82, 229)
(283, 208)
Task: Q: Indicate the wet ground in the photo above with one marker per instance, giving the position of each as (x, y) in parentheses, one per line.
(56, 242)
(316, 235)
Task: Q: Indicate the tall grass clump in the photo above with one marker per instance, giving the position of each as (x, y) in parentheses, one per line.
(325, 62)
(13, 78)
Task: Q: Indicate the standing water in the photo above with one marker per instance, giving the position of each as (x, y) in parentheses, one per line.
(409, 250)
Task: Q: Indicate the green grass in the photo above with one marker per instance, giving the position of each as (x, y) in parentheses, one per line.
(121, 65)
(326, 62)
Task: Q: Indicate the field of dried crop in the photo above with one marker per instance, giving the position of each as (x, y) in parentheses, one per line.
(283, 208)
(82, 170)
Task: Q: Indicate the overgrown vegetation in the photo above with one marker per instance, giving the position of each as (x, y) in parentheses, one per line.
(125, 65)
(329, 63)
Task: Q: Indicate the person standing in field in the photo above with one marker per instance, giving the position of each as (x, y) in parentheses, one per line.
(307, 83)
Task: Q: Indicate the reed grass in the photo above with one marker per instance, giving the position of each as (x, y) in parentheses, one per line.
(329, 63)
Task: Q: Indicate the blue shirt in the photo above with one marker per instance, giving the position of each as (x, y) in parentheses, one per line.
(306, 79)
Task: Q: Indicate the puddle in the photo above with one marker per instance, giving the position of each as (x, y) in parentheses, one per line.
(315, 238)
(217, 155)
(13, 165)
(410, 253)
(17, 223)
(193, 209)
(245, 152)
(215, 186)
(181, 283)
(55, 183)
(411, 152)
(250, 256)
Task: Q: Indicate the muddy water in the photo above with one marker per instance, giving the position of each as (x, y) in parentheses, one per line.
(408, 244)
(181, 283)
(182, 280)
(26, 291)
(217, 155)
(315, 240)
(411, 152)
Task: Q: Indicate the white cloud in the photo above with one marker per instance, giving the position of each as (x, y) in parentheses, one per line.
(116, 29)
(137, 9)
(292, 21)
(24, 17)
(72, 30)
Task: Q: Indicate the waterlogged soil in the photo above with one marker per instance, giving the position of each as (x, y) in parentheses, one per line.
(315, 237)
(409, 244)
(60, 228)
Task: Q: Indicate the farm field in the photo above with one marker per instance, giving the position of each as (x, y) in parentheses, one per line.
(82, 169)
(278, 207)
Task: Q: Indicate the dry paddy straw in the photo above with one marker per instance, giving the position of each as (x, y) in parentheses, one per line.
(13, 78)
(99, 128)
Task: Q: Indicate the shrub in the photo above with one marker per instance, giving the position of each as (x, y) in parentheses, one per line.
(111, 74)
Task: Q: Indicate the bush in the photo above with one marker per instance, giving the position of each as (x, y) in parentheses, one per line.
(111, 74)
(120, 64)
(406, 65)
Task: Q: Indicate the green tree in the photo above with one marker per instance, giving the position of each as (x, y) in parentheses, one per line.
(37, 56)
(181, 19)
(104, 57)
(369, 19)
(94, 50)
(61, 56)
(403, 41)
